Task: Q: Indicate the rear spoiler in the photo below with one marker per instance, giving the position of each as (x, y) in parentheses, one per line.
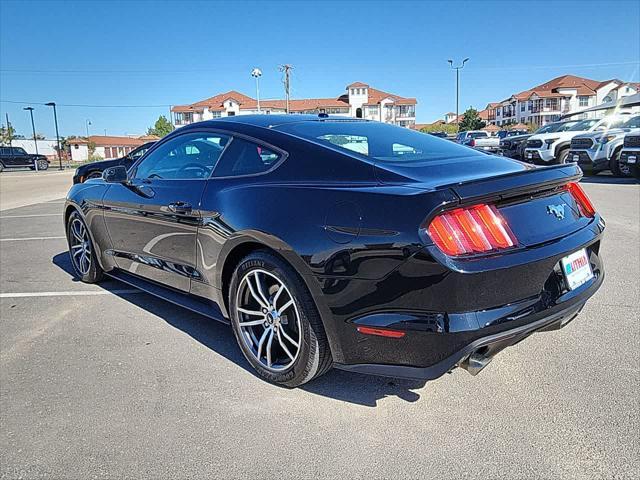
(517, 183)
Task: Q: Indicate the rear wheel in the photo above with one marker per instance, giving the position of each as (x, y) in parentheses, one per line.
(43, 165)
(275, 321)
(1, 167)
(617, 168)
(81, 251)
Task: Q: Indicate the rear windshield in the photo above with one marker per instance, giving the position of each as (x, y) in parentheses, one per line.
(478, 134)
(380, 141)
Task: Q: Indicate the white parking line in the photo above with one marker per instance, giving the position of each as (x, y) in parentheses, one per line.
(79, 293)
(29, 238)
(35, 215)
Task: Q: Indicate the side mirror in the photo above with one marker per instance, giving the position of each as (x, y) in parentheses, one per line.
(117, 174)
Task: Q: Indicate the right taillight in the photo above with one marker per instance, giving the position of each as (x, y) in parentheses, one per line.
(476, 229)
(586, 207)
(472, 143)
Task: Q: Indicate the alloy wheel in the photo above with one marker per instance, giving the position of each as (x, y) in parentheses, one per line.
(269, 320)
(80, 246)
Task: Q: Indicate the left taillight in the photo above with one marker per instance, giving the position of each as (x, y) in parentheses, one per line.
(586, 207)
(470, 230)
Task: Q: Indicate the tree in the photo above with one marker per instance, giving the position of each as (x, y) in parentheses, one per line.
(40, 136)
(471, 120)
(7, 134)
(161, 128)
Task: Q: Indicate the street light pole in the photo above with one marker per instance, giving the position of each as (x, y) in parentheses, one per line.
(55, 119)
(257, 73)
(87, 122)
(35, 141)
(457, 69)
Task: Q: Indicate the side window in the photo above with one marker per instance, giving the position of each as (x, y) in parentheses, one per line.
(245, 158)
(19, 151)
(188, 156)
(4, 151)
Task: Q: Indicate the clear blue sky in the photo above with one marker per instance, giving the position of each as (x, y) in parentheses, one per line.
(162, 53)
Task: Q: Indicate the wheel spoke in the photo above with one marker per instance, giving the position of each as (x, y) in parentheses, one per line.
(261, 342)
(294, 343)
(76, 232)
(286, 305)
(260, 289)
(255, 295)
(284, 347)
(251, 323)
(251, 312)
(277, 295)
(269, 343)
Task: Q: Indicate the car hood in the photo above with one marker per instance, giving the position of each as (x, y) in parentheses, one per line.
(599, 133)
(560, 135)
(517, 138)
(101, 164)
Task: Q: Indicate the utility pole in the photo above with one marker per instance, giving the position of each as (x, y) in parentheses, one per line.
(286, 68)
(457, 69)
(55, 119)
(35, 140)
(257, 73)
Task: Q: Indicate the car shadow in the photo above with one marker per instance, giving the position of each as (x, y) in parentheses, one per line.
(608, 179)
(350, 387)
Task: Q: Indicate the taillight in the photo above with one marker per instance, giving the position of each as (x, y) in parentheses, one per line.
(381, 332)
(472, 142)
(476, 229)
(586, 207)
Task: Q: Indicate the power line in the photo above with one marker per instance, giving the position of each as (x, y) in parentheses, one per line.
(87, 105)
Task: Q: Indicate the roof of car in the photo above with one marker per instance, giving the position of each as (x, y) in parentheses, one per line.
(270, 121)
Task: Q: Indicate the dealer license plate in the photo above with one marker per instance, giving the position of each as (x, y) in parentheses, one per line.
(529, 155)
(631, 159)
(576, 269)
(576, 158)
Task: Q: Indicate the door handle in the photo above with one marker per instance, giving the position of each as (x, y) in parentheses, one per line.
(180, 207)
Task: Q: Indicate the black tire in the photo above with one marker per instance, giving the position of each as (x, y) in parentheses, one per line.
(619, 169)
(313, 357)
(43, 165)
(93, 273)
(1, 167)
(562, 156)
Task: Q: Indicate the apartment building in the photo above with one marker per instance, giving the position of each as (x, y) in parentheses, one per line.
(545, 103)
(360, 101)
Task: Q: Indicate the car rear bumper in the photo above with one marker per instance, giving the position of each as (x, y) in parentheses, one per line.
(465, 314)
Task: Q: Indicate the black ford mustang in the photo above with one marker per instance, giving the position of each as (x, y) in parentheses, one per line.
(342, 242)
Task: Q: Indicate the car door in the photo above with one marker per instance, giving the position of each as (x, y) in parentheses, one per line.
(152, 219)
(21, 158)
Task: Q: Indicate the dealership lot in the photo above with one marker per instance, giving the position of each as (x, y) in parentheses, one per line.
(106, 381)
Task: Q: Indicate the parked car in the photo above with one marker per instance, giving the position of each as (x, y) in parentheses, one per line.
(17, 157)
(600, 150)
(404, 262)
(94, 169)
(479, 139)
(513, 147)
(630, 153)
(553, 148)
(439, 134)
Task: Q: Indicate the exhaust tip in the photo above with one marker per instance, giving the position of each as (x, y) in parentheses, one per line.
(476, 362)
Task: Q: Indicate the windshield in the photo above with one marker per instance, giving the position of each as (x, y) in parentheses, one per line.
(583, 125)
(383, 142)
(634, 122)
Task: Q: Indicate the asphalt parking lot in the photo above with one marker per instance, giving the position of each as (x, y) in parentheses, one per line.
(105, 381)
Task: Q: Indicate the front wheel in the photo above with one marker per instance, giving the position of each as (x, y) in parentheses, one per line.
(617, 168)
(81, 251)
(275, 321)
(562, 156)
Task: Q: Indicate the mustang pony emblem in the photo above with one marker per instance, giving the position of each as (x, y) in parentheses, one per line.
(557, 210)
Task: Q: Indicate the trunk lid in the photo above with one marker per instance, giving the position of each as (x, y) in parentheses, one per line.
(533, 200)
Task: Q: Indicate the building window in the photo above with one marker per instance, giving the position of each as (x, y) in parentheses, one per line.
(583, 101)
(216, 114)
(522, 105)
(353, 91)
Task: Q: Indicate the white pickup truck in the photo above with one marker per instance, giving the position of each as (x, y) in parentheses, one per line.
(480, 140)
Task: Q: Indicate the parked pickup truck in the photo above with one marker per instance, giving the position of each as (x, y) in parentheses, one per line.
(479, 140)
(17, 157)
(600, 150)
(513, 146)
(553, 148)
(630, 153)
